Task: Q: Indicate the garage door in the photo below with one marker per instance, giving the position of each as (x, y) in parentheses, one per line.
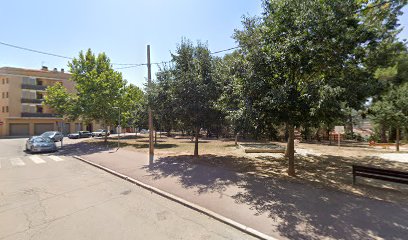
(40, 128)
(19, 129)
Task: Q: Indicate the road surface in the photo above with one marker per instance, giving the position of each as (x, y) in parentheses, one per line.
(52, 196)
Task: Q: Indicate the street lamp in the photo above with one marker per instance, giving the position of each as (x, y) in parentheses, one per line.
(118, 125)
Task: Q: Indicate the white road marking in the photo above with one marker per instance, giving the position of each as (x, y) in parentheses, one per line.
(17, 162)
(56, 158)
(37, 160)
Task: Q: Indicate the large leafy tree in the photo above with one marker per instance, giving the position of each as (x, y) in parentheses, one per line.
(100, 92)
(163, 105)
(296, 50)
(194, 89)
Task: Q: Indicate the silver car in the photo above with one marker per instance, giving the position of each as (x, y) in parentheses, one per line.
(40, 144)
(53, 135)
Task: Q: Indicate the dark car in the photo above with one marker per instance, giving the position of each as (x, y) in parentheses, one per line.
(80, 134)
(53, 135)
(40, 144)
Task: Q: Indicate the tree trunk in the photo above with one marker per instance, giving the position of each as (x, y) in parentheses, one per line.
(106, 134)
(290, 150)
(351, 126)
(328, 134)
(397, 142)
(383, 134)
(155, 137)
(236, 139)
(196, 143)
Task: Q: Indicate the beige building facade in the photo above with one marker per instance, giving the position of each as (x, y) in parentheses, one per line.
(22, 109)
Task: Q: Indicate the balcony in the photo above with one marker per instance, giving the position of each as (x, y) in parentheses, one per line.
(28, 100)
(39, 115)
(33, 87)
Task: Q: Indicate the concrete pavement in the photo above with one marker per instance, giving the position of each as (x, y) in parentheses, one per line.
(279, 208)
(54, 196)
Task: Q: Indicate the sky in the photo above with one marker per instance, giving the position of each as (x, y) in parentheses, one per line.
(120, 28)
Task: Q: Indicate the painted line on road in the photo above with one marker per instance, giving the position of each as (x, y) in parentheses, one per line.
(186, 203)
(37, 160)
(17, 162)
(56, 158)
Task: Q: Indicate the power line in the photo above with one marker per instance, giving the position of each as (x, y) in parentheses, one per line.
(36, 51)
(51, 54)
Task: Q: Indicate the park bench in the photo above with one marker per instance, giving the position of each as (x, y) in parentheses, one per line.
(381, 174)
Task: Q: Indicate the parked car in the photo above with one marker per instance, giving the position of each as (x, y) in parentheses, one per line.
(80, 134)
(144, 131)
(40, 144)
(53, 135)
(100, 133)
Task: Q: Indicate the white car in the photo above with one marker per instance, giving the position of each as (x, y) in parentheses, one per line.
(100, 133)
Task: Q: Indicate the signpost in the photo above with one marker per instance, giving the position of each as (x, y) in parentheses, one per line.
(339, 130)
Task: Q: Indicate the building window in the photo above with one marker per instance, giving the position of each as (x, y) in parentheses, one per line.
(6, 108)
(2, 95)
(2, 108)
(6, 94)
(3, 80)
(29, 81)
(7, 80)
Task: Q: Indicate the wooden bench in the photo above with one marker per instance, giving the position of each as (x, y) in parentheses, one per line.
(381, 174)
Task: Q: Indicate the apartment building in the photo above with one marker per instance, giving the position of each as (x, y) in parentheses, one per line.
(22, 111)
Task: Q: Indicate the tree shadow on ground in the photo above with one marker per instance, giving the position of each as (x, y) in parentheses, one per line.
(298, 210)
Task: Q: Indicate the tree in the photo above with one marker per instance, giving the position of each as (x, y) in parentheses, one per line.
(294, 52)
(99, 88)
(392, 110)
(194, 88)
(161, 93)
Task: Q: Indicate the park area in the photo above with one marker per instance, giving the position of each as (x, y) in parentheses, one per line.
(318, 164)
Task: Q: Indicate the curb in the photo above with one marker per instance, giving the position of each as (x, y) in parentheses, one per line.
(188, 204)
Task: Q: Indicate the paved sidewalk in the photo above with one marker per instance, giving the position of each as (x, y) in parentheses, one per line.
(279, 208)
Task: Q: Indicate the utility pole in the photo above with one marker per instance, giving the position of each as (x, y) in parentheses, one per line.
(149, 83)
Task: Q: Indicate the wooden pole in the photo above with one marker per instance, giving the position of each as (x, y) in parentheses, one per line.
(149, 82)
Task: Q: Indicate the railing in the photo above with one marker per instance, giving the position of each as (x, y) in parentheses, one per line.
(43, 115)
(29, 100)
(33, 87)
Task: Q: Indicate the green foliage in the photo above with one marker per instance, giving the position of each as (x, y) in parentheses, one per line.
(60, 100)
(100, 92)
(392, 109)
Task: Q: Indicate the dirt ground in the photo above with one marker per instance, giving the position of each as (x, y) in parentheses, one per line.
(322, 165)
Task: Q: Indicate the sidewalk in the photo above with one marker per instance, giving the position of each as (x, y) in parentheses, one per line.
(279, 208)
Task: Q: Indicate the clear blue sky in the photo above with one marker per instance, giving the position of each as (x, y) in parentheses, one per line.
(121, 28)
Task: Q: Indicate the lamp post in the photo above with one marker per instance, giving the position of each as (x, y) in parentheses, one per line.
(119, 128)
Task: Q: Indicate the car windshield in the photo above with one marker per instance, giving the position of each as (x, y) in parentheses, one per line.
(100, 130)
(41, 140)
(47, 134)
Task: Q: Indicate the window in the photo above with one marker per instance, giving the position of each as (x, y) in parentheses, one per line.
(29, 80)
(6, 108)
(6, 94)
(2, 95)
(3, 80)
(2, 108)
(7, 80)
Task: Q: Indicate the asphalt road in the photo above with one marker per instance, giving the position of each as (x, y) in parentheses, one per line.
(52, 196)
